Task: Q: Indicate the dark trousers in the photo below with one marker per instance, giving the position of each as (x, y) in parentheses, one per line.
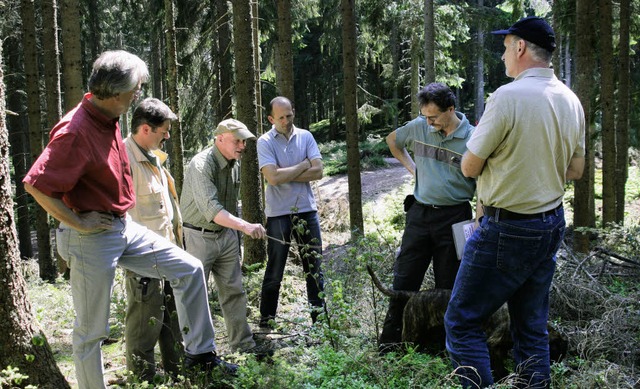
(427, 237)
(304, 229)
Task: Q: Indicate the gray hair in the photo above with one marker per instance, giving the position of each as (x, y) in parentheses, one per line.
(538, 53)
(116, 72)
(151, 111)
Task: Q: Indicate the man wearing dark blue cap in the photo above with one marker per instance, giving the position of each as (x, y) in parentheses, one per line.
(529, 142)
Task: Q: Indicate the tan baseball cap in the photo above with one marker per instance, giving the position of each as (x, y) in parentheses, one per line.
(236, 127)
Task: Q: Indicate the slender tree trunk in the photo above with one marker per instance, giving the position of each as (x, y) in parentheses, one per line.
(250, 190)
(584, 206)
(226, 61)
(177, 157)
(71, 54)
(19, 140)
(415, 80)
(429, 43)
(95, 31)
(350, 63)
(35, 126)
(22, 343)
(284, 65)
(622, 130)
(607, 87)
(479, 68)
(255, 38)
(156, 50)
(399, 103)
(52, 93)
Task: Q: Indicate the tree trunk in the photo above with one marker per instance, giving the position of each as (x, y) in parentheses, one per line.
(95, 31)
(52, 93)
(155, 40)
(35, 126)
(583, 205)
(71, 53)
(284, 65)
(350, 63)
(19, 141)
(415, 80)
(429, 43)
(479, 68)
(22, 344)
(607, 87)
(255, 38)
(250, 190)
(622, 130)
(225, 106)
(177, 158)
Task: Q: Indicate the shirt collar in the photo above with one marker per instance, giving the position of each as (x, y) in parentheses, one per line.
(274, 133)
(460, 132)
(536, 72)
(98, 115)
(222, 161)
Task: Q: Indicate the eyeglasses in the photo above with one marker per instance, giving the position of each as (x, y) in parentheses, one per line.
(433, 119)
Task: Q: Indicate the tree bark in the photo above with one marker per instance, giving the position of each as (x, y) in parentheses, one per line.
(584, 202)
(429, 43)
(250, 190)
(71, 53)
(225, 107)
(177, 157)
(284, 65)
(622, 130)
(22, 343)
(156, 56)
(607, 87)
(350, 63)
(19, 141)
(52, 93)
(27, 15)
(479, 67)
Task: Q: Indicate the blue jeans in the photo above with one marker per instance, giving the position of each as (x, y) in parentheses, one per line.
(510, 261)
(285, 228)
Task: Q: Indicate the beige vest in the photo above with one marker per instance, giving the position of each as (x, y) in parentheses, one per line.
(156, 198)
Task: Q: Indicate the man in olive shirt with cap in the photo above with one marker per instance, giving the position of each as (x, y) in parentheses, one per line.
(209, 205)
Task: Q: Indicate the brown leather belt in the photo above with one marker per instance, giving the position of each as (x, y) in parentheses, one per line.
(503, 214)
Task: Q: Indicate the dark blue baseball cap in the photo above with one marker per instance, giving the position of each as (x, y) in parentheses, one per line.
(533, 29)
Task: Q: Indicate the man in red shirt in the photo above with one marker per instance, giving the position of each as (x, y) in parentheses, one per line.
(83, 179)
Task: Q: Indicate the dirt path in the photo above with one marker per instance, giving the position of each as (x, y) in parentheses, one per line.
(332, 194)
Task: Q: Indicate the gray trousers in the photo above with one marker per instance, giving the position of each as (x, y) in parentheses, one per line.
(220, 255)
(151, 318)
(93, 258)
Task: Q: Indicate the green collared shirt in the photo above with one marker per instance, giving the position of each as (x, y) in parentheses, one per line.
(211, 184)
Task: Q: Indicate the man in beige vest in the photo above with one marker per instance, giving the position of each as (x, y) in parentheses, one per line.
(151, 313)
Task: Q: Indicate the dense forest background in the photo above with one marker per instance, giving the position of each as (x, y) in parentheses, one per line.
(351, 67)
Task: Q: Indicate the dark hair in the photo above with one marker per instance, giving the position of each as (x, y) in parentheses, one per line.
(151, 111)
(279, 100)
(116, 72)
(437, 93)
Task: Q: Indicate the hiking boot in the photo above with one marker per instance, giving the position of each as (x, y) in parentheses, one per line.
(209, 361)
(268, 322)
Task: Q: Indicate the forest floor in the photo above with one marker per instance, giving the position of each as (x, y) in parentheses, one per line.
(351, 301)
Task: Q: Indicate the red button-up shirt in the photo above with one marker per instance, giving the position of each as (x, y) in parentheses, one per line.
(85, 163)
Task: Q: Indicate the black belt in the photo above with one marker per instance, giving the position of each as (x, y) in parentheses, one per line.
(503, 214)
(439, 206)
(192, 227)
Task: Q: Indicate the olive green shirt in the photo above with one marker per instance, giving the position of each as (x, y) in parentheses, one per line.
(211, 184)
